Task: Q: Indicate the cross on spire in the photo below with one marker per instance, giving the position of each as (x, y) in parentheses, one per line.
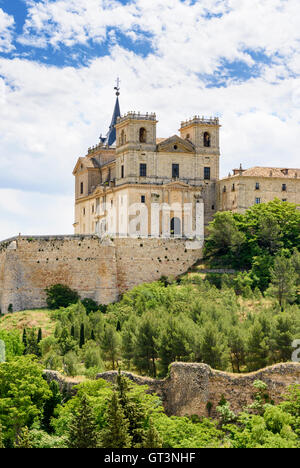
(117, 88)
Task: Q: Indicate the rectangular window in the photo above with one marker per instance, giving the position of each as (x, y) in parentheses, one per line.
(284, 199)
(83, 211)
(143, 170)
(81, 188)
(257, 186)
(207, 173)
(284, 187)
(257, 201)
(175, 171)
(143, 199)
(122, 172)
(93, 209)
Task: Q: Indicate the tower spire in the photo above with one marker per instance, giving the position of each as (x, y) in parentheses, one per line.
(111, 135)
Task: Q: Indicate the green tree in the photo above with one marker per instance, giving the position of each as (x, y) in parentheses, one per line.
(116, 433)
(225, 239)
(82, 336)
(24, 439)
(134, 412)
(283, 281)
(23, 393)
(257, 348)
(153, 439)
(212, 347)
(40, 336)
(1, 438)
(50, 406)
(111, 345)
(60, 295)
(236, 344)
(145, 352)
(83, 431)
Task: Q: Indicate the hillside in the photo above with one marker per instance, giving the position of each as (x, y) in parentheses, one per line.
(39, 318)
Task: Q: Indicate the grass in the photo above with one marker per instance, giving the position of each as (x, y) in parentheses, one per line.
(38, 318)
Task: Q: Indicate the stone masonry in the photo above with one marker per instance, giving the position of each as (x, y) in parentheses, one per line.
(192, 388)
(100, 269)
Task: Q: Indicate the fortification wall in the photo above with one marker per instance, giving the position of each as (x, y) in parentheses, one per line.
(98, 269)
(191, 387)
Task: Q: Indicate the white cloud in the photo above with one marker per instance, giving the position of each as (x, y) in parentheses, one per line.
(49, 116)
(34, 213)
(6, 31)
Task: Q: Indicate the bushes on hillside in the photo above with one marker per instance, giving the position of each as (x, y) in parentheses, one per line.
(60, 295)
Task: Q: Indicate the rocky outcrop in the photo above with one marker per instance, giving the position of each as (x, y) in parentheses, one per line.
(195, 388)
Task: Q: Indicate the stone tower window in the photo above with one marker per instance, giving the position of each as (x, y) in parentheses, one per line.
(206, 140)
(81, 188)
(187, 136)
(143, 135)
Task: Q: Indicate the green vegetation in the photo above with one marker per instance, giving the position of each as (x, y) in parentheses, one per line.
(234, 322)
(125, 416)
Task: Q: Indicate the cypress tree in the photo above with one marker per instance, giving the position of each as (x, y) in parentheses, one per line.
(40, 336)
(82, 336)
(153, 439)
(133, 411)
(24, 340)
(116, 434)
(23, 439)
(83, 431)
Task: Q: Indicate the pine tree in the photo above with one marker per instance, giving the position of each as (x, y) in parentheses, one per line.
(116, 434)
(50, 405)
(82, 336)
(153, 439)
(283, 281)
(83, 431)
(133, 411)
(23, 439)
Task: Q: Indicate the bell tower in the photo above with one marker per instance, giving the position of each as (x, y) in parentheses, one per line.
(204, 133)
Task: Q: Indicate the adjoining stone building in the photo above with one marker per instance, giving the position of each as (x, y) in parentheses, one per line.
(132, 175)
(245, 188)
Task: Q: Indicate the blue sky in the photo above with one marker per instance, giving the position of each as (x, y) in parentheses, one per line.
(59, 60)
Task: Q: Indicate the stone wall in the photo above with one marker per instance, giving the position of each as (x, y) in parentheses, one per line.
(191, 387)
(98, 269)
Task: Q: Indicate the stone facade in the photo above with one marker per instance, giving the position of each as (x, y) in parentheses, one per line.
(197, 389)
(142, 170)
(100, 269)
(244, 188)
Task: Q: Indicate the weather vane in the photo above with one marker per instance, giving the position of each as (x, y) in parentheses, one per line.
(117, 88)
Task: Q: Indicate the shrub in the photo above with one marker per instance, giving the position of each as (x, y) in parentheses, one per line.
(90, 305)
(60, 295)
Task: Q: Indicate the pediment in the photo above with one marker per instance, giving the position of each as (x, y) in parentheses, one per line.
(177, 184)
(175, 144)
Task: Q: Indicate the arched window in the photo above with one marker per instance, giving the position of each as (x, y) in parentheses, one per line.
(175, 227)
(206, 138)
(187, 136)
(143, 135)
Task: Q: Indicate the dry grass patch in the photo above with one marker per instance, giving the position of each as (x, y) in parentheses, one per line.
(40, 318)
